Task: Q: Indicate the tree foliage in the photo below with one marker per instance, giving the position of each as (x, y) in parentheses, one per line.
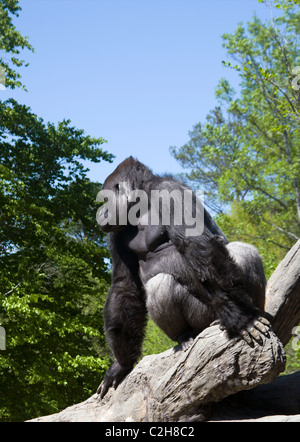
(53, 259)
(246, 155)
(11, 43)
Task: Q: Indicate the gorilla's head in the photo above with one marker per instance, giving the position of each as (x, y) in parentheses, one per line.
(130, 175)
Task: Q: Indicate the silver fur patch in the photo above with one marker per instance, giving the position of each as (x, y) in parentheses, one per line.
(158, 291)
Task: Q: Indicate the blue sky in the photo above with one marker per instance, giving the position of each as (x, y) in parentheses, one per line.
(139, 73)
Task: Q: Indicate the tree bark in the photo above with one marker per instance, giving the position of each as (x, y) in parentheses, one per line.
(279, 401)
(179, 385)
(283, 295)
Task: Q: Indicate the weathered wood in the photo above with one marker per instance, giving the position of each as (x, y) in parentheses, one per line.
(283, 295)
(177, 385)
(174, 385)
(274, 401)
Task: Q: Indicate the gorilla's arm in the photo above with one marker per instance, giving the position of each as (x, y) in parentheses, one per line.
(124, 315)
(212, 226)
(220, 277)
(222, 281)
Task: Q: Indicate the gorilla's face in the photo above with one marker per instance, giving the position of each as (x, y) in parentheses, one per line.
(112, 216)
(120, 192)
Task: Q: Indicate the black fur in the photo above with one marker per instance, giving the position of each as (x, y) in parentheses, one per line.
(204, 278)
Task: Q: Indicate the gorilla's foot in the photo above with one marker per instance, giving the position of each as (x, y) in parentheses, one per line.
(218, 322)
(186, 339)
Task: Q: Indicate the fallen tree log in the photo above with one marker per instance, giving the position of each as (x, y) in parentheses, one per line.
(279, 401)
(178, 385)
(283, 295)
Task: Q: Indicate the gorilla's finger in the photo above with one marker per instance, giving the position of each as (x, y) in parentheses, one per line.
(255, 335)
(261, 327)
(246, 336)
(264, 321)
(104, 387)
(99, 388)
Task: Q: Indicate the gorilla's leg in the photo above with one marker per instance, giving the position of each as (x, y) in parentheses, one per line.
(178, 313)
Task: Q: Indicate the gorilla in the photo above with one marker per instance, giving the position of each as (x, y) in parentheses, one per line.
(185, 282)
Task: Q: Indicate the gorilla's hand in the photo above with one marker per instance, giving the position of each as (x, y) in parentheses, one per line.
(254, 329)
(114, 375)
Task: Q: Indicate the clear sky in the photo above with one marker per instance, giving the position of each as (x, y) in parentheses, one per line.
(139, 73)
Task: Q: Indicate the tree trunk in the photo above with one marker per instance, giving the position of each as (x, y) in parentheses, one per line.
(279, 401)
(179, 385)
(283, 295)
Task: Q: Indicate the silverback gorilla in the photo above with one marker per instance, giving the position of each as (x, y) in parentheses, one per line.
(185, 283)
